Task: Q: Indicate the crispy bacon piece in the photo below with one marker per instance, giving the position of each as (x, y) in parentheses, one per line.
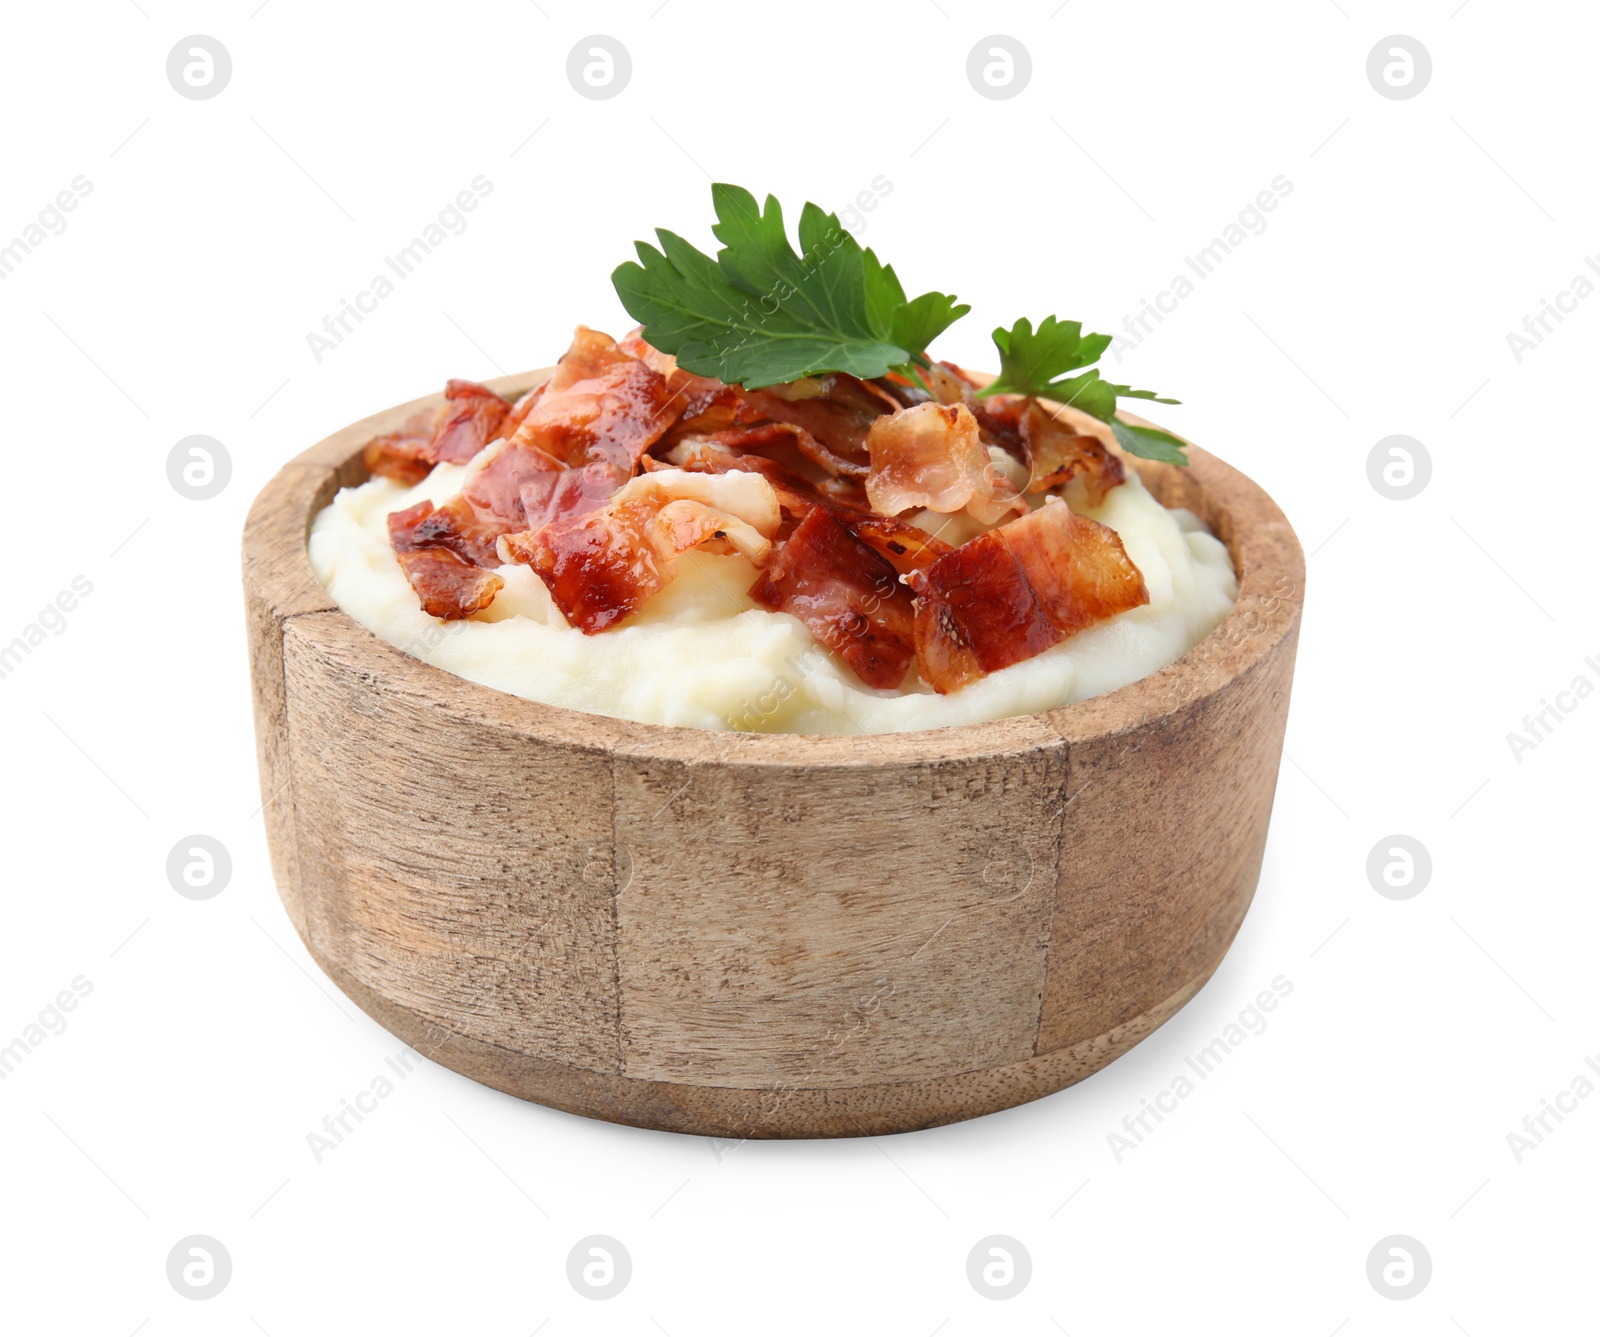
(1057, 453)
(602, 566)
(600, 406)
(553, 493)
(948, 383)
(715, 455)
(1000, 423)
(600, 403)
(663, 364)
(403, 455)
(563, 449)
(836, 420)
(931, 456)
(449, 585)
(927, 456)
(775, 441)
(699, 404)
(704, 405)
(1015, 591)
(521, 409)
(472, 416)
(847, 595)
(457, 527)
(903, 545)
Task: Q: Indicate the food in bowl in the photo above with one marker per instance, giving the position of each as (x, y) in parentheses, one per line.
(770, 509)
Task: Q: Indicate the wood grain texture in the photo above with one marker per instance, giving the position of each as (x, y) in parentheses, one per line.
(771, 1110)
(763, 935)
(813, 902)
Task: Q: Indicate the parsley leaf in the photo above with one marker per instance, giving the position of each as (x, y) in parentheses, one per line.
(761, 313)
(1038, 362)
(1030, 359)
(909, 324)
(1149, 443)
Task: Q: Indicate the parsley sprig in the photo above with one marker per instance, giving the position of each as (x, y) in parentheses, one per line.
(760, 313)
(1040, 362)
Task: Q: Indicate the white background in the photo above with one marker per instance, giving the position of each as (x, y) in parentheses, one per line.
(1419, 1032)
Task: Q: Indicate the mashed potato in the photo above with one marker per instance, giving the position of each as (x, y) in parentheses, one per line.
(702, 655)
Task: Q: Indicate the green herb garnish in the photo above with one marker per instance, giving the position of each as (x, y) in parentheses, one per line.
(759, 313)
(1039, 362)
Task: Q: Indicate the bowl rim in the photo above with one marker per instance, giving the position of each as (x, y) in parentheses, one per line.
(1266, 554)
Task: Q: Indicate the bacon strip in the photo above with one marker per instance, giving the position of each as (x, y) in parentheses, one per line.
(521, 409)
(699, 404)
(564, 448)
(835, 422)
(1000, 423)
(403, 455)
(448, 584)
(553, 493)
(600, 406)
(950, 385)
(778, 442)
(847, 595)
(602, 566)
(713, 455)
(928, 457)
(1015, 591)
(932, 456)
(905, 546)
(1057, 453)
(472, 416)
(946, 384)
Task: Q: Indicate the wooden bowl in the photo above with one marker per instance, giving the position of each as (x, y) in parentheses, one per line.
(751, 935)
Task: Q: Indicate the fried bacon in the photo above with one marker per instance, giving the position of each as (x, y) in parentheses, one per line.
(950, 385)
(449, 585)
(903, 545)
(1057, 454)
(600, 406)
(570, 444)
(945, 383)
(1015, 591)
(778, 442)
(703, 405)
(804, 480)
(521, 409)
(925, 457)
(403, 455)
(458, 528)
(699, 404)
(1000, 423)
(835, 412)
(736, 451)
(472, 416)
(602, 566)
(839, 570)
(553, 493)
(847, 595)
(932, 456)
